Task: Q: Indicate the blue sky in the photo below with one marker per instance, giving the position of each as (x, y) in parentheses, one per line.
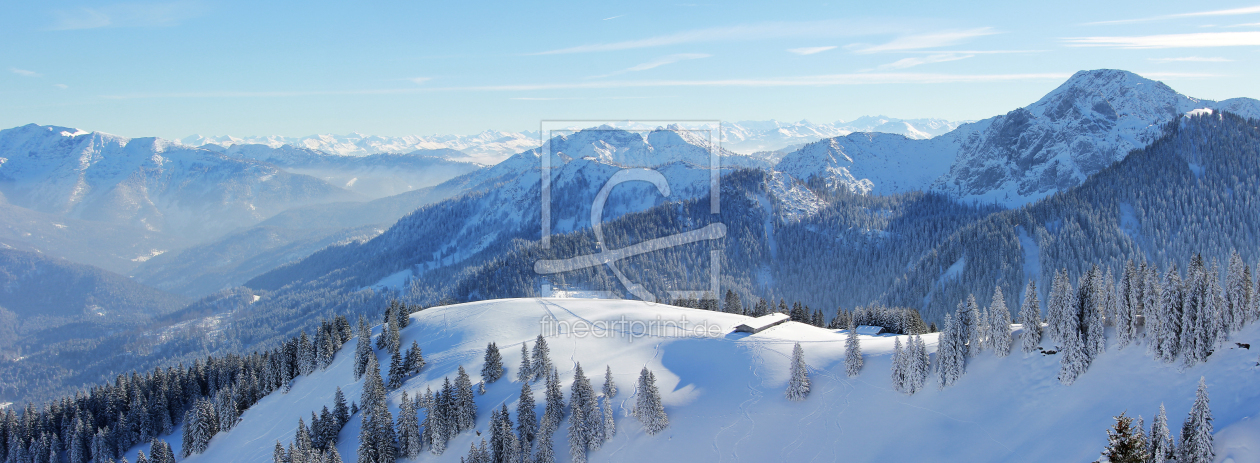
(210, 67)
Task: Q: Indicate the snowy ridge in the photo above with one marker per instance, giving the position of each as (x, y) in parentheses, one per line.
(724, 393)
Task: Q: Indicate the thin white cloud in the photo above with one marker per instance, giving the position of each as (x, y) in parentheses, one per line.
(614, 17)
(420, 80)
(671, 59)
(61, 86)
(924, 41)
(812, 29)
(1197, 40)
(163, 14)
(1229, 12)
(1245, 25)
(905, 63)
(810, 50)
(25, 73)
(799, 81)
(1192, 59)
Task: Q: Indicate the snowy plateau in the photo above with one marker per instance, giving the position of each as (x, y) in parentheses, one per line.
(724, 391)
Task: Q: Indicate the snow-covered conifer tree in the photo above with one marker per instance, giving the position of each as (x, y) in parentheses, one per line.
(1160, 442)
(898, 367)
(1074, 359)
(1124, 444)
(1196, 433)
(852, 352)
(798, 377)
(408, 428)
(1122, 312)
(493, 364)
(999, 324)
(363, 350)
(527, 421)
(1060, 307)
(1238, 293)
(732, 304)
(526, 372)
(414, 360)
(397, 371)
(648, 407)
(1030, 319)
(542, 358)
(466, 405)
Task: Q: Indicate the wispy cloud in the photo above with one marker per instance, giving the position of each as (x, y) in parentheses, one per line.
(798, 81)
(919, 60)
(809, 50)
(614, 17)
(164, 14)
(25, 73)
(1198, 40)
(671, 59)
(1229, 12)
(924, 41)
(828, 28)
(1192, 59)
(420, 80)
(1244, 25)
(61, 86)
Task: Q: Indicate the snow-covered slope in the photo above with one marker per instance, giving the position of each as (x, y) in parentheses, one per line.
(148, 183)
(1089, 122)
(875, 163)
(724, 392)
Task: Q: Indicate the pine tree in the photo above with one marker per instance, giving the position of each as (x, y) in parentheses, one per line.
(1160, 442)
(526, 372)
(1172, 304)
(493, 366)
(554, 410)
(610, 425)
(1196, 433)
(648, 408)
(1237, 293)
(581, 413)
(966, 321)
(302, 445)
(160, 452)
(466, 408)
(610, 388)
(1123, 443)
(762, 308)
(922, 364)
(852, 352)
(1074, 359)
(1123, 313)
(340, 411)
(542, 358)
(363, 350)
(1030, 319)
(798, 377)
(999, 324)
(546, 451)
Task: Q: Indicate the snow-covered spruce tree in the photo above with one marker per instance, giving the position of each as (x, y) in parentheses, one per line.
(546, 451)
(277, 456)
(503, 446)
(798, 377)
(1124, 444)
(581, 411)
(951, 354)
(492, 368)
(553, 411)
(732, 304)
(200, 424)
(922, 364)
(1030, 319)
(1060, 307)
(1172, 305)
(967, 322)
(1196, 433)
(999, 324)
(648, 407)
(609, 423)
(1160, 442)
(160, 452)
(526, 372)
(1074, 359)
(1093, 335)
(306, 354)
(527, 421)
(1121, 311)
(542, 358)
(466, 405)
(898, 367)
(852, 352)
(610, 387)
(762, 308)
(363, 350)
(409, 444)
(302, 445)
(1237, 293)
(397, 371)
(413, 362)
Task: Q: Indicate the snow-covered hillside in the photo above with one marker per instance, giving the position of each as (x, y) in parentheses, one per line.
(487, 147)
(724, 391)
